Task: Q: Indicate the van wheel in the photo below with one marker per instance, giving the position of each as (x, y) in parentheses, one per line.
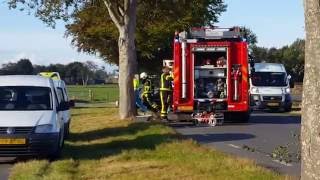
(67, 130)
(57, 153)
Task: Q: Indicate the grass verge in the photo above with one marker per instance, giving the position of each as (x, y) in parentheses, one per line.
(103, 147)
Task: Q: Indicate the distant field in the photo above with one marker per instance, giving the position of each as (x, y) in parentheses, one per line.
(100, 93)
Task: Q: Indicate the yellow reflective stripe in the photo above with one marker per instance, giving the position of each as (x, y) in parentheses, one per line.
(147, 88)
(135, 83)
(169, 77)
(162, 103)
(165, 89)
(162, 81)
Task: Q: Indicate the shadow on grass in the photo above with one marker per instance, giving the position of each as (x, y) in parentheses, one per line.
(95, 105)
(109, 132)
(103, 150)
(88, 107)
(97, 151)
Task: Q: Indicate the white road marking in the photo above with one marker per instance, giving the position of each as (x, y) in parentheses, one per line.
(283, 163)
(234, 146)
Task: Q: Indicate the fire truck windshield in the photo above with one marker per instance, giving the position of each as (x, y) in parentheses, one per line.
(269, 79)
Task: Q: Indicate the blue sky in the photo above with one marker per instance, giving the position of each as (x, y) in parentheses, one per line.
(275, 22)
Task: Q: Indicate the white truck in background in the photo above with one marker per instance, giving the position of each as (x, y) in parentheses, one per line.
(270, 87)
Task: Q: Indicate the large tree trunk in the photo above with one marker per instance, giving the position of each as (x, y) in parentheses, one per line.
(124, 17)
(127, 66)
(310, 130)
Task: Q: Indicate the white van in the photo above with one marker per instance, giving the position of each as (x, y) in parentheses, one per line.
(270, 87)
(30, 123)
(64, 99)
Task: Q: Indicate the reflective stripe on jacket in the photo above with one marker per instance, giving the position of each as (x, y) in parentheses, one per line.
(166, 80)
(136, 84)
(147, 87)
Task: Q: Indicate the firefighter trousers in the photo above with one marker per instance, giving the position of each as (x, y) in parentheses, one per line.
(165, 97)
(146, 99)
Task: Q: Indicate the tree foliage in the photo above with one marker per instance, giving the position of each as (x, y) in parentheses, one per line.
(93, 31)
(22, 67)
(72, 73)
(249, 36)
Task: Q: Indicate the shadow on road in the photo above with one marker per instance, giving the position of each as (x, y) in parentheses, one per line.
(275, 119)
(7, 160)
(220, 137)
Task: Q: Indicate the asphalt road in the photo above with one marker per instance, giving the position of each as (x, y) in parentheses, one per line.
(5, 165)
(257, 140)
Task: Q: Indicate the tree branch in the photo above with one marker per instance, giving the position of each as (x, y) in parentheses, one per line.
(114, 13)
(121, 11)
(126, 6)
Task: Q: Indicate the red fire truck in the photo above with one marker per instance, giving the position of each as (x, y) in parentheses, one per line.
(210, 68)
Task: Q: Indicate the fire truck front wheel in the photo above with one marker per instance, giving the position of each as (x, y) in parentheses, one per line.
(242, 117)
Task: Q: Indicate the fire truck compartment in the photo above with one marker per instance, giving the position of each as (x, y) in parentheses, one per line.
(210, 80)
(210, 75)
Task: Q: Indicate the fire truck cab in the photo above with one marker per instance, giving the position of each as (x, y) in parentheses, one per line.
(211, 79)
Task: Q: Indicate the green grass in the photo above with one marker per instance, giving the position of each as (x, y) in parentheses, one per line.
(101, 93)
(103, 147)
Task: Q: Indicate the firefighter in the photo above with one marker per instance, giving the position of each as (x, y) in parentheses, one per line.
(137, 89)
(146, 95)
(165, 91)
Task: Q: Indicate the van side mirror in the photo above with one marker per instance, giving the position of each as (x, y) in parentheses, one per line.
(72, 103)
(63, 106)
(251, 63)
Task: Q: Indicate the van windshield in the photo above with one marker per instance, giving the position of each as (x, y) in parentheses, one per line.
(24, 98)
(269, 79)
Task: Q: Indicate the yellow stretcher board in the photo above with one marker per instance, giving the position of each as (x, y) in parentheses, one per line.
(52, 75)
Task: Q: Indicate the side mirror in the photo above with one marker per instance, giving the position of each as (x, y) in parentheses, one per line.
(63, 106)
(72, 103)
(251, 63)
